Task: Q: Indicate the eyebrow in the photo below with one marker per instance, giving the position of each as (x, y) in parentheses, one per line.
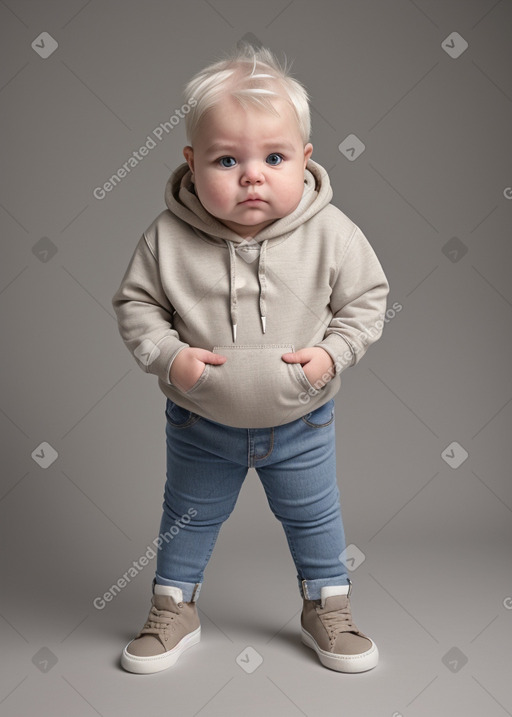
(227, 146)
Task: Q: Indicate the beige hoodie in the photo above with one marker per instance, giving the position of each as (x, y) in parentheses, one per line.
(308, 279)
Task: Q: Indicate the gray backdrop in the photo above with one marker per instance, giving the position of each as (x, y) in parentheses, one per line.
(423, 422)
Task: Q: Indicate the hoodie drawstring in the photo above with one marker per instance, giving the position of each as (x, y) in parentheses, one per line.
(262, 279)
(232, 288)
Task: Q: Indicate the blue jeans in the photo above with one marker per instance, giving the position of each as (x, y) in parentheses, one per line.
(206, 465)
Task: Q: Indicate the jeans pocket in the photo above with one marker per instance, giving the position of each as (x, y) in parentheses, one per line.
(179, 417)
(321, 416)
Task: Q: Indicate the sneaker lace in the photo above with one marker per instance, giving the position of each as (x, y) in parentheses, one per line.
(158, 621)
(339, 620)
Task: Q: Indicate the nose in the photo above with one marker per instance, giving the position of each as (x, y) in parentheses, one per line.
(252, 174)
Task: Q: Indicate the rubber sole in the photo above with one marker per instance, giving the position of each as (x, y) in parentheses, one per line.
(157, 663)
(343, 663)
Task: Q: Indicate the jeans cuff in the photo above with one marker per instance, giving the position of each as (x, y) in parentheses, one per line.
(190, 590)
(311, 589)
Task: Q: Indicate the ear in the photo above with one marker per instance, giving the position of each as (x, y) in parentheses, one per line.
(308, 150)
(188, 153)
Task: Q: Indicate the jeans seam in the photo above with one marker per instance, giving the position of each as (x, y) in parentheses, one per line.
(261, 458)
(210, 551)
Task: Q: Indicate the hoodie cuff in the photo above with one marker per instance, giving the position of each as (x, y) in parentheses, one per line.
(159, 361)
(339, 350)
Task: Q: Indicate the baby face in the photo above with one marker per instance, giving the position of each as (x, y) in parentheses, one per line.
(248, 164)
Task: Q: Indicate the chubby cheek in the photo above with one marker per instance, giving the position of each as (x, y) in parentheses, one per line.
(216, 196)
(289, 197)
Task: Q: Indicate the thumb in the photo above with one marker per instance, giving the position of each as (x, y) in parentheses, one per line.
(301, 356)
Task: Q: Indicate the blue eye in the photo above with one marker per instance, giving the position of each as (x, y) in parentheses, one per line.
(272, 157)
(228, 159)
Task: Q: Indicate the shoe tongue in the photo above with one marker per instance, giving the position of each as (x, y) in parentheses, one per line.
(332, 591)
(334, 602)
(165, 602)
(170, 590)
(167, 597)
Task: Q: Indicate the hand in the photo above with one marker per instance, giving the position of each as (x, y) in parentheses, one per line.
(315, 362)
(189, 364)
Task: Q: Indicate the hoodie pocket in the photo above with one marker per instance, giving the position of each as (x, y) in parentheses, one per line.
(254, 388)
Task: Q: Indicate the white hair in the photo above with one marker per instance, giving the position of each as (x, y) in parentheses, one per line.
(251, 76)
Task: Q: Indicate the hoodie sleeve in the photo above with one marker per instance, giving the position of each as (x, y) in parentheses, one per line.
(358, 304)
(144, 314)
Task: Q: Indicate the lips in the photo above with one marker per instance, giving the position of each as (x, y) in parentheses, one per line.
(252, 199)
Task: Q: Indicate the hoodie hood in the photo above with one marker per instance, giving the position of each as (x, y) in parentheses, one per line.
(182, 201)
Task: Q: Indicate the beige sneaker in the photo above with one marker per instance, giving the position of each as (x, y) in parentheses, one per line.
(171, 628)
(328, 629)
